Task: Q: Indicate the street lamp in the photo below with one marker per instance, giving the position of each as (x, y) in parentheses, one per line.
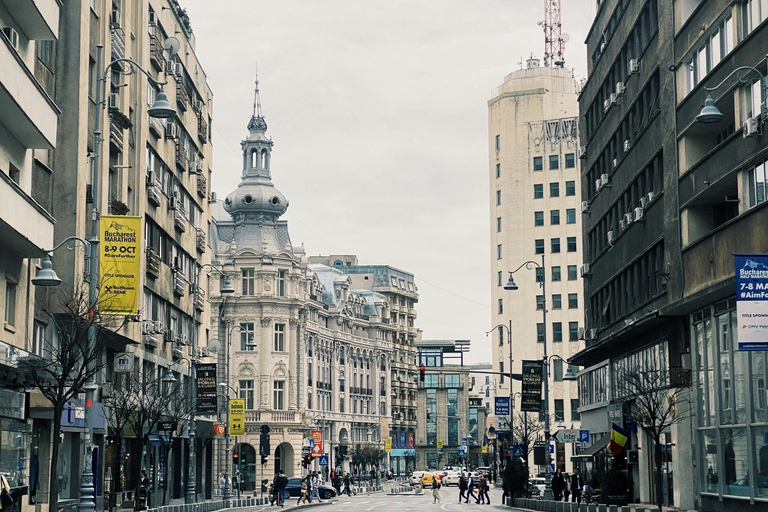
(501, 328)
(542, 282)
(710, 114)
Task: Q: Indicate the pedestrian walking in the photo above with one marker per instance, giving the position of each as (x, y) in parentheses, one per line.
(567, 486)
(346, 484)
(303, 495)
(485, 498)
(337, 481)
(481, 483)
(557, 485)
(462, 486)
(471, 483)
(576, 486)
(143, 491)
(435, 490)
(281, 482)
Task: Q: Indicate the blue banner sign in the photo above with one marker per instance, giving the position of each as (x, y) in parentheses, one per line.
(752, 301)
(502, 406)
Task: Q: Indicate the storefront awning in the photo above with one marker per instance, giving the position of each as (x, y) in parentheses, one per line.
(592, 450)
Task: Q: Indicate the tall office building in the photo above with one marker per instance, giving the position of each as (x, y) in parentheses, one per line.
(535, 214)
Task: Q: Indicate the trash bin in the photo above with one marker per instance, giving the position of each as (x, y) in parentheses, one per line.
(264, 485)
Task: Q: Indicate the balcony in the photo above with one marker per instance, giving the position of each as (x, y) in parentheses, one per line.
(153, 262)
(156, 52)
(182, 96)
(182, 160)
(25, 227)
(200, 299)
(179, 284)
(118, 43)
(116, 135)
(156, 127)
(177, 350)
(180, 218)
(202, 185)
(283, 416)
(202, 129)
(154, 195)
(200, 239)
(252, 416)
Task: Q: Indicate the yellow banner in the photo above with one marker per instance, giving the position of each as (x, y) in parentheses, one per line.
(485, 448)
(439, 443)
(388, 445)
(119, 264)
(237, 417)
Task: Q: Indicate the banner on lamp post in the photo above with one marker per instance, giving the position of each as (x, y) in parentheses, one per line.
(119, 264)
(206, 389)
(237, 417)
(530, 399)
(752, 301)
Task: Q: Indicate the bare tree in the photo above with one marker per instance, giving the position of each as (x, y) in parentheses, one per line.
(68, 363)
(176, 413)
(655, 400)
(526, 431)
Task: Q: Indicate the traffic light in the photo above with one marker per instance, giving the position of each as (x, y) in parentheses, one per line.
(235, 458)
(307, 461)
(422, 372)
(264, 459)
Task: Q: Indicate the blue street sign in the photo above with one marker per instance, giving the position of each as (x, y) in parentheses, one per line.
(551, 448)
(517, 450)
(322, 460)
(501, 406)
(583, 436)
(464, 441)
(439, 450)
(311, 443)
(551, 468)
(461, 451)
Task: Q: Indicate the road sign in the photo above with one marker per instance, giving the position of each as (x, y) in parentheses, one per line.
(219, 429)
(517, 450)
(461, 451)
(583, 436)
(311, 444)
(317, 445)
(464, 441)
(305, 450)
(322, 460)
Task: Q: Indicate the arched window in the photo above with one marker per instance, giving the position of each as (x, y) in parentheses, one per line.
(254, 158)
(265, 159)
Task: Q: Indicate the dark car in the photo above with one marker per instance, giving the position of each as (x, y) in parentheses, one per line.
(294, 489)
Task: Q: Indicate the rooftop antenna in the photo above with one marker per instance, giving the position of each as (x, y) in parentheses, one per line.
(554, 39)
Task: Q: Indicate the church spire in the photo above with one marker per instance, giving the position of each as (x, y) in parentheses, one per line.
(257, 122)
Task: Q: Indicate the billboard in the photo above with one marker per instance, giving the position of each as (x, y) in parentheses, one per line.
(752, 301)
(206, 389)
(530, 400)
(237, 417)
(119, 264)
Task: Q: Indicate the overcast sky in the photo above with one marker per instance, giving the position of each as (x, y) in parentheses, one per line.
(378, 112)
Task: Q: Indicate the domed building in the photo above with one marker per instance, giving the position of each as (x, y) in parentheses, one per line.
(257, 327)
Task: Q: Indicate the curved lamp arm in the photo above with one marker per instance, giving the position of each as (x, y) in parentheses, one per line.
(85, 243)
(135, 65)
(742, 78)
(528, 265)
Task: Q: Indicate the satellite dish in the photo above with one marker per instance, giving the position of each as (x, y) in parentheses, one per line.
(565, 37)
(171, 45)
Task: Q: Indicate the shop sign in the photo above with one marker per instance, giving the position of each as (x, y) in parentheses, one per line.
(752, 301)
(11, 404)
(403, 452)
(123, 363)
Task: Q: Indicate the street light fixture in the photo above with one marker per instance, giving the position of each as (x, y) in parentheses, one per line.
(511, 285)
(46, 276)
(710, 114)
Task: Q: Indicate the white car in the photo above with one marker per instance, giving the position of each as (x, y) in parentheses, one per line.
(451, 477)
(416, 477)
(539, 483)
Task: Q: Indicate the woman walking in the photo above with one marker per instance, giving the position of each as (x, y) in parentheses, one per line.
(435, 490)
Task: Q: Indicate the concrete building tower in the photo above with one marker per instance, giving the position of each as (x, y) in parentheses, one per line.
(258, 328)
(535, 213)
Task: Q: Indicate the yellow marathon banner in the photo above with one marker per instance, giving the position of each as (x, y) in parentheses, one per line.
(237, 417)
(119, 264)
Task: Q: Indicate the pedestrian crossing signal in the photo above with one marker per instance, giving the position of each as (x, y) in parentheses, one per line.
(422, 372)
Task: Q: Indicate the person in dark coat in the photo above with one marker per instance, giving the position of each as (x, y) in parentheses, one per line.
(576, 486)
(462, 487)
(470, 489)
(558, 484)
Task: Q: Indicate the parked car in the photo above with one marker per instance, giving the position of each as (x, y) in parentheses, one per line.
(539, 484)
(416, 477)
(451, 477)
(485, 470)
(294, 489)
(426, 478)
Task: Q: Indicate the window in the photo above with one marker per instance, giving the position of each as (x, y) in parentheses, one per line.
(278, 395)
(498, 142)
(498, 170)
(10, 302)
(554, 162)
(539, 246)
(570, 188)
(719, 43)
(246, 393)
(498, 197)
(498, 252)
(575, 409)
(452, 381)
(279, 337)
(538, 191)
(570, 216)
(309, 374)
(488, 379)
(557, 369)
(571, 244)
(554, 189)
(281, 275)
(554, 217)
(570, 160)
(538, 218)
(557, 301)
(539, 274)
(559, 409)
(555, 245)
(341, 404)
(556, 274)
(573, 331)
(430, 381)
(572, 274)
(573, 301)
(557, 332)
(539, 302)
(248, 281)
(501, 278)
(540, 333)
(309, 400)
(246, 336)
(498, 224)
(537, 164)
(501, 370)
(758, 184)
(501, 306)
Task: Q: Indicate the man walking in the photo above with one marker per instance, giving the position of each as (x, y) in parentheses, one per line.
(462, 486)
(470, 489)
(281, 482)
(576, 485)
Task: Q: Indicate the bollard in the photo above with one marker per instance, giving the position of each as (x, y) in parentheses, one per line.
(602, 508)
(591, 507)
(613, 508)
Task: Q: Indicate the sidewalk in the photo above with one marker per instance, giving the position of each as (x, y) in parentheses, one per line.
(557, 506)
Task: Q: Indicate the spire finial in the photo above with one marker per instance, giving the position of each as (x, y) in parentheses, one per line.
(257, 121)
